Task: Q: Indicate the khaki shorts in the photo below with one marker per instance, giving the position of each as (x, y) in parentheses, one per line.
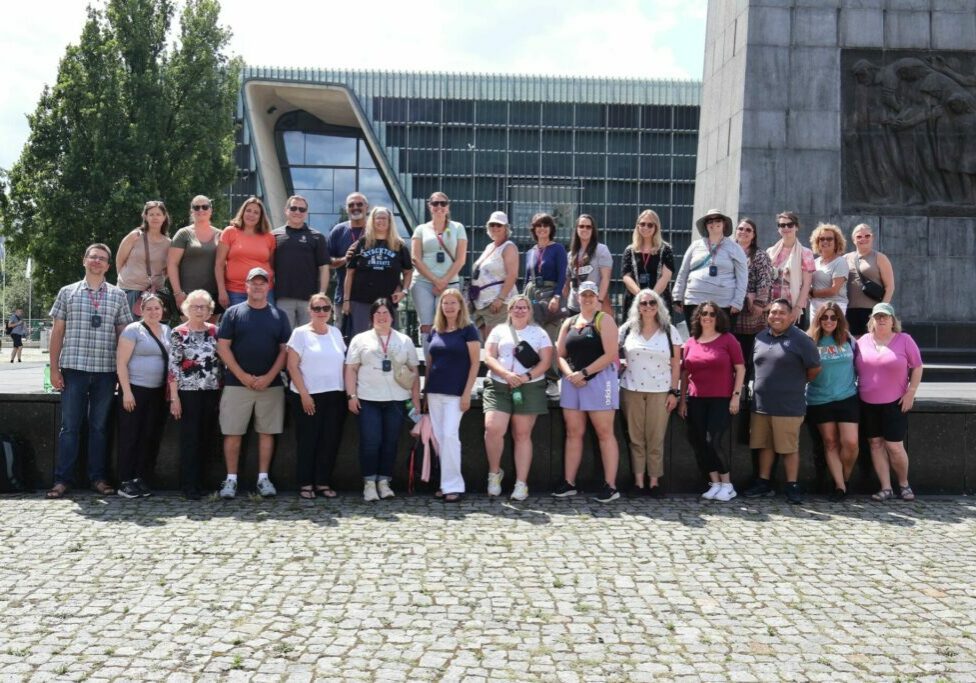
(237, 404)
(483, 317)
(781, 433)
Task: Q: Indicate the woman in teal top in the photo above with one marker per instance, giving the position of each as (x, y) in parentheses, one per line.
(832, 403)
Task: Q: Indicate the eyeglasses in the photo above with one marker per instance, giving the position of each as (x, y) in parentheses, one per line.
(863, 236)
(299, 209)
(198, 307)
(439, 203)
(828, 318)
(200, 207)
(324, 308)
(648, 304)
(744, 228)
(356, 205)
(540, 225)
(786, 226)
(707, 314)
(647, 225)
(97, 257)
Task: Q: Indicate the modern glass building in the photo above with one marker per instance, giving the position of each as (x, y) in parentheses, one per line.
(520, 144)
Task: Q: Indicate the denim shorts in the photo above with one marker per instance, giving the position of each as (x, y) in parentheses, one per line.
(425, 301)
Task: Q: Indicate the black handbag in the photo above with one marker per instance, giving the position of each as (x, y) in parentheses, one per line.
(524, 353)
(870, 288)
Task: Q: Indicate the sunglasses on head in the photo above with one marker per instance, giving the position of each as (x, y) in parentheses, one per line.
(200, 207)
(299, 209)
(324, 308)
(439, 202)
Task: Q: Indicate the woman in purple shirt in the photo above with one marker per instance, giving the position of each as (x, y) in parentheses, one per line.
(889, 370)
(453, 358)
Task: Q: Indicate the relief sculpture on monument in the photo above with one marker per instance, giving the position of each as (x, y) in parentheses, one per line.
(909, 132)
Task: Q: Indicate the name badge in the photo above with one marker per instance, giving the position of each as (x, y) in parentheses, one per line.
(644, 280)
(712, 271)
(387, 365)
(584, 270)
(441, 257)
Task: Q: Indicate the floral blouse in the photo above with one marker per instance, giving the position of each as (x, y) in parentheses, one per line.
(193, 360)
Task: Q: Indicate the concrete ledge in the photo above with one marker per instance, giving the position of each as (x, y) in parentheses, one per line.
(941, 444)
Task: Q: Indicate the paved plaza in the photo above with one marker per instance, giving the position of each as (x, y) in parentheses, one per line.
(413, 589)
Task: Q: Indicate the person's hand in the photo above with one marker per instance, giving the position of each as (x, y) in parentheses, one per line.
(57, 379)
(734, 310)
(354, 406)
(176, 408)
(439, 285)
(128, 401)
(797, 312)
(734, 404)
(683, 409)
(577, 379)
(397, 297)
(678, 307)
(515, 380)
(495, 306)
(223, 299)
(671, 402)
(308, 403)
(907, 400)
(349, 252)
(553, 305)
(465, 402)
(180, 298)
(346, 307)
(263, 382)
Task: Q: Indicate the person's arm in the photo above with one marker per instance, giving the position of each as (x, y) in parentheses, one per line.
(608, 335)
(173, 258)
(407, 276)
(460, 258)
(683, 399)
(763, 270)
(172, 376)
(887, 277)
(491, 360)
(347, 286)
(324, 275)
(561, 362)
(827, 292)
(123, 353)
(813, 372)
(54, 355)
(672, 401)
(740, 376)
(220, 266)
(511, 261)
(351, 377)
(294, 359)
(417, 256)
(561, 263)
(627, 274)
(680, 282)
(125, 248)
(908, 398)
(740, 271)
(605, 275)
(667, 269)
(227, 357)
(474, 352)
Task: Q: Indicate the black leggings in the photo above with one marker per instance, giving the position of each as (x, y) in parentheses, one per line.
(318, 436)
(140, 432)
(708, 428)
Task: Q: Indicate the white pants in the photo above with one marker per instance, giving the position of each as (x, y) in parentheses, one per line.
(445, 418)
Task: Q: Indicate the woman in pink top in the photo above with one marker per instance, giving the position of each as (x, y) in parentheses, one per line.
(712, 372)
(246, 243)
(889, 369)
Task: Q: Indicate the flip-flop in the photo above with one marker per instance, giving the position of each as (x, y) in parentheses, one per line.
(451, 498)
(306, 493)
(325, 492)
(57, 491)
(438, 493)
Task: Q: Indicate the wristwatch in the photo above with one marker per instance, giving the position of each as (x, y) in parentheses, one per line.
(528, 376)
(350, 397)
(586, 375)
(675, 392)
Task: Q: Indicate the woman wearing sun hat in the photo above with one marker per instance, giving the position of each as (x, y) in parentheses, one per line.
(714, 268)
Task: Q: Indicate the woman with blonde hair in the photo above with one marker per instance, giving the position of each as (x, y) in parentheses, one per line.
(192, 257)
(829, 282)
(453, 357)
(379, 267)
(439, 249)
(517, 355)
(244, 244)
(648, 262)
(871, 279)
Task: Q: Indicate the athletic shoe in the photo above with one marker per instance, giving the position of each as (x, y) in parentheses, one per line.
(128, 489)
(712, 490)
(228, 489)
(759, 489)
(793, 494)
(655, 492)
(725, 493)
(552, 389)
(266, 488)
(521, 491)
(495, 483)
(144, 491)
(607, 494)
(635, 491)
(838, 495)
(369, 492)
(564, 490)
(384, 490)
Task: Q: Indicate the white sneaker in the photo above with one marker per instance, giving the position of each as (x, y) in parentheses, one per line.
(228, 489)
(521, 491)
(712, 490)
(369, 492)
(266, 489)
(726, 492)
(383, 486)
(495, 483)
(552, 389)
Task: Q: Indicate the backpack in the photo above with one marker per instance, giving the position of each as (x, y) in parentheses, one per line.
(13, 466)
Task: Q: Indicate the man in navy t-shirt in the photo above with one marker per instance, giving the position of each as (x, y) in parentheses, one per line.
(251, 343)
(341, 238)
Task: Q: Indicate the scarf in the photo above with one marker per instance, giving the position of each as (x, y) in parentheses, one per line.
(793, 266)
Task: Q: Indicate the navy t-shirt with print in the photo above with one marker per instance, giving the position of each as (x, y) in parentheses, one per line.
(256, 336)
(450, 361)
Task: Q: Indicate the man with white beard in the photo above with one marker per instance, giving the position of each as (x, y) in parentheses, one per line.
(341, 238)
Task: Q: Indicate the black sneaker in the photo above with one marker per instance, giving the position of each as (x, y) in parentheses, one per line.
(636, 491)
(564, 490)
(759, 489)
(607, 494)
(655, 492)
(792, 492)
(144, 491)
(838, 495)
(129, 489)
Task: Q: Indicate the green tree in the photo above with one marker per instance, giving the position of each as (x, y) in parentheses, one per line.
(130, 118)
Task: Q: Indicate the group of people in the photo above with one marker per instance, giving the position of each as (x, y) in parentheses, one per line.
(259, 329)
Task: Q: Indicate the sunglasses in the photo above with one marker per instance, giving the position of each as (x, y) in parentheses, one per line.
(496, 225)
(708, 314)
(786, 226)
(299, 209)
(584, 227)
(828, 318)
(325, 308)
(744, 228)
(648, 304)
(93, 257)
(647, 225)
(825, 239)
(200, 207)
(356, 205)
(439, 203)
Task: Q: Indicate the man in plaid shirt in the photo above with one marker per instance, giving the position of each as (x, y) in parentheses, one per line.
(88, 317)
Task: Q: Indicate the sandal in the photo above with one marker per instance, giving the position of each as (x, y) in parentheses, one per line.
(883, 495)
(452, 498)
(438, 493)
(907, 493)
(307, 493)
(57, 491)
(103, 488)
(325, 492)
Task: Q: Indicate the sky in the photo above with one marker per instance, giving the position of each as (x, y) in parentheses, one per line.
(616, 38)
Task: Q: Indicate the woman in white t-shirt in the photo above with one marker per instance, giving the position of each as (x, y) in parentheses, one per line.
(379, 360)
(316, 355)
(515, 393)
(649, 386)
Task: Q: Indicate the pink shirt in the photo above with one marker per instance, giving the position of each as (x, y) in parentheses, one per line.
(710, 366)
(882, 375)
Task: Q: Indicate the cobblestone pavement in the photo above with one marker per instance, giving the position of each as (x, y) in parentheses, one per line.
(413, 589)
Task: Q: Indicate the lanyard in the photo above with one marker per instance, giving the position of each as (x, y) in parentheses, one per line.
(646, 258)
(540, 252)
(384, 345)
(95, 301)
(440, 239)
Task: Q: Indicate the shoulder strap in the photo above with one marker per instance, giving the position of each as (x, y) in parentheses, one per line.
(145, 247)
(162, 350)
(596, 320)
(515, 336)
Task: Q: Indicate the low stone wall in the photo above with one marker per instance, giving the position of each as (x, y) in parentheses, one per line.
(941, 444)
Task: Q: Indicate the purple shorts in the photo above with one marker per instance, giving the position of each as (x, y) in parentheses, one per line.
(602, 392)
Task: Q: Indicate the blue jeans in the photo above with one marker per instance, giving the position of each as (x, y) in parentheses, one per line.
(379, 434)
(241, 297)
(86, 395)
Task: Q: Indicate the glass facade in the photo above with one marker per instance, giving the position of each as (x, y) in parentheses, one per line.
(608, 148)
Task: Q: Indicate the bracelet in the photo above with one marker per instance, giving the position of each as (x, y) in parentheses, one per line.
(350, 397)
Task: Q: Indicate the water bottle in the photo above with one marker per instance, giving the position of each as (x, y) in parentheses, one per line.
(517, 396)
(412, 411)
(48, 387)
